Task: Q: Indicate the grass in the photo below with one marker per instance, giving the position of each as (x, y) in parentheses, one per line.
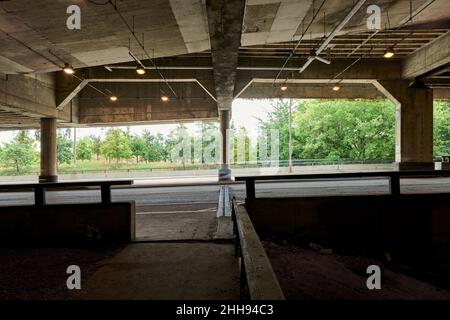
(104, 165)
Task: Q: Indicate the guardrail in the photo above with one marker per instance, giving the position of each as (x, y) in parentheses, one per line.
(205, 166)
(257, 279)
(393, 176)
(39, 188)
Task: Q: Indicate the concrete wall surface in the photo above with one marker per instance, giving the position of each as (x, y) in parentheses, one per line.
(62, 224)
(406, 226)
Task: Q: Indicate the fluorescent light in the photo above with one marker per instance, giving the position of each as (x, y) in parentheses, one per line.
(389, 52)
(68, 69)
(113, 98)
(140, 70)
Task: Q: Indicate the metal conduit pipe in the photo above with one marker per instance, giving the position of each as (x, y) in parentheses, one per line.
(331, 36)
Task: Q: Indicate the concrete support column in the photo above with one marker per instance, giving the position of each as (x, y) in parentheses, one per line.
(48, 150)
(414, 125)
(225, 170)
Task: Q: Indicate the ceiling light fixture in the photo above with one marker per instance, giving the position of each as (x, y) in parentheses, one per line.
(164, 98)
(140, 70)
(113, 98)
(336, 88)
(68, 69)
(284, 87)
(389, 52)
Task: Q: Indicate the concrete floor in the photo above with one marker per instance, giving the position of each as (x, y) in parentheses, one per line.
(166, 271)
(194, 222)
(172, 263)
(166, 262)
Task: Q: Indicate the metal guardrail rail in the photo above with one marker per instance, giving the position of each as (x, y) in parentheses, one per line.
(40, 188)
(257, 278)
(393, 176)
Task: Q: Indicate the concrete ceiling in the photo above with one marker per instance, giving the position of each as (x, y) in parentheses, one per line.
(34, 37)
(208, 52)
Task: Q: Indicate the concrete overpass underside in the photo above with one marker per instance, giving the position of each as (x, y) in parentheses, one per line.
(195, 57)
(200, 55)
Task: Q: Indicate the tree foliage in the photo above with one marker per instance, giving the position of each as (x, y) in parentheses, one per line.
(441, 128)
(64, 146)
(334, 129)
(155, 147)
(19, 153)
(345, 129)
(116, 145)
(84, 149)
(96, 143)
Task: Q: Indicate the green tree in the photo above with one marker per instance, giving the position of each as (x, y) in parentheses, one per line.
(138, 146)
(64, 146)
(176, 138)
(19, 153)
(116, 145)
(206, 134)
(441, 128)
(240, 145)
(96, 143)
(278, 119)
(345, 129)
(84, 149)
(155, 149)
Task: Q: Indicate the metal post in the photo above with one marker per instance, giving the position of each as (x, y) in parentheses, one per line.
(39, 195)
(395, 184)
(250, 187)
(106, 193)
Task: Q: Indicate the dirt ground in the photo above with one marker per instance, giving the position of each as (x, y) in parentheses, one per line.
(40, 273)
(307, 274)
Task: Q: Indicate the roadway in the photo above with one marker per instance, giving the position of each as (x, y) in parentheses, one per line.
(175, 198)
(189, 212)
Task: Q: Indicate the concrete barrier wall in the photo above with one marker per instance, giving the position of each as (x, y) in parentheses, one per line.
(260, 279)
(408, 226)
(62, 224)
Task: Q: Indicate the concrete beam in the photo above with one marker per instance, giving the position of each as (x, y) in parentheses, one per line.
(140, 112)
(312, 91)
(225, 19)
(141, 102)
(428, 58)
(441, 93)
(67, 87)
(32, 96)
(370, 69)
(365, 72)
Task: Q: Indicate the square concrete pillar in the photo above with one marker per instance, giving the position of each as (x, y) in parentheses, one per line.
(414, 124)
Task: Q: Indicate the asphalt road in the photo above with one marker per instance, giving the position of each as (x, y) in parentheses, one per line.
(190, 212)
(187, 197)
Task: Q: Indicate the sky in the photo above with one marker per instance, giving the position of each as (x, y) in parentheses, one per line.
(244, 113)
